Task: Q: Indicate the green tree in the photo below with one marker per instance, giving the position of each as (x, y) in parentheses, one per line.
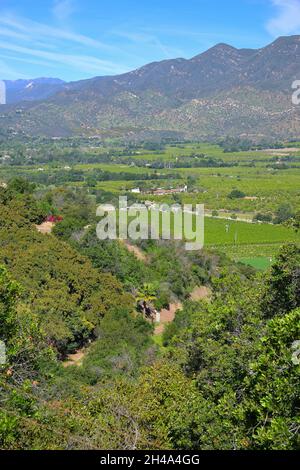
(284, 213)
(236, 194)
(9, 294)
(272, 391)
(282, 286)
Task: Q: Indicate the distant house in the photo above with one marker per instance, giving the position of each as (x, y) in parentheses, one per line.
(136, 190)
(5, 158)
(162, 192)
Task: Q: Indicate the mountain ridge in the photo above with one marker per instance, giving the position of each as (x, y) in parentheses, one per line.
(221, 91)
(31, 89)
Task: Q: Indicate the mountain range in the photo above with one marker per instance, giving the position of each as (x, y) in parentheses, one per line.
(222, 92)
(31, 90)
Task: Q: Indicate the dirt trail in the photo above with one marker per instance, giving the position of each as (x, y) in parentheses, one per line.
(200, 293)
(45, 228)
(167, 316)
(75, 359)
(139, 254)
(284, 152)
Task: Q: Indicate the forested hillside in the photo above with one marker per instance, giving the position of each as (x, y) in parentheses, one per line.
(225, 374)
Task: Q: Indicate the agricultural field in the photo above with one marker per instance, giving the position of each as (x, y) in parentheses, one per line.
(253, 244)
(219, 232)
(250, 243)
(265, 180)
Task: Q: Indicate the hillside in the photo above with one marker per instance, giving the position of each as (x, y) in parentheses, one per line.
(223, 91)
(31, 90)
(224, 375)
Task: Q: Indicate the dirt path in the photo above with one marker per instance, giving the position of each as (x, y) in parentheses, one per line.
(167, 316)
(238, 219)
(135, 250)
(75, 359)
(45, 228)
(200, 293)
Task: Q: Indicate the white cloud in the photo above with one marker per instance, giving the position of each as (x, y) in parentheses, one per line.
(27, 60)
(6, 32)
(84, 63)
(287, 18)
(32, 41)
(152, 40)
(63, 9)
(35, 30)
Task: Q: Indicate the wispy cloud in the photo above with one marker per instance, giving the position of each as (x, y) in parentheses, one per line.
(35, 30)
(27, 60)
(32, 41)
(8, 33)
(141, 37)
(83, 63)
(63, 9)
(286, 19)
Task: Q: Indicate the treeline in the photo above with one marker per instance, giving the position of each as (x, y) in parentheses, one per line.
(182, 161)
(33, 151)
(91, 177)
(236, 144)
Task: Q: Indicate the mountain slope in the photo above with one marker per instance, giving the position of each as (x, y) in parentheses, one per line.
(31, 90)
(223, 91)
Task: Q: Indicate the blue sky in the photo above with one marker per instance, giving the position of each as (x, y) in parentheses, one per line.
(75, 39)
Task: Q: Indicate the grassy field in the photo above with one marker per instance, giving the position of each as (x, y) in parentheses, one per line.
(253, 244)
(225, 232)
(260, 263)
